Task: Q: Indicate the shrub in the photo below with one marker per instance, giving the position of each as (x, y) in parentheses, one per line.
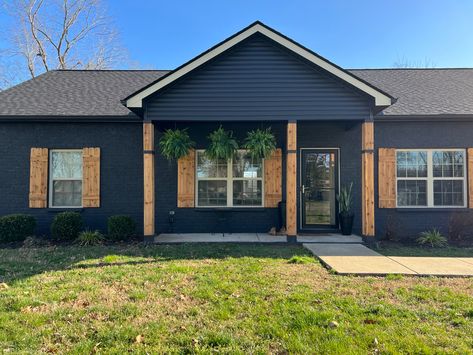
(432, 238)
(16, 227)
(88, 237)
(66, 226)
(121, 227)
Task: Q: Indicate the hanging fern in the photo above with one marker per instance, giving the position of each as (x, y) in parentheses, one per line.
(260, 143)
(222, 145)
(175, 144)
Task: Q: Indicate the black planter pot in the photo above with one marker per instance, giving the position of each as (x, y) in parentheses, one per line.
(346, 223)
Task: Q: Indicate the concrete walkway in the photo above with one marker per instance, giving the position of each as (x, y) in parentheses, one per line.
(356, 259)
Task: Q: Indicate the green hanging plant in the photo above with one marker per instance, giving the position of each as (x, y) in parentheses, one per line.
(260, 143)
(222, 145)
(175, 144)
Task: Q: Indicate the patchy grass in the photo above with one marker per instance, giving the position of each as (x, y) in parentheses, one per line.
(398, 249)
(220, 298)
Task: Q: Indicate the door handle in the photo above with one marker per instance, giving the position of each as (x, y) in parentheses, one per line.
(303, 189)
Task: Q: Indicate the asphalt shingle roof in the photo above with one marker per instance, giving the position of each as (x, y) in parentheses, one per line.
(76, 93)
(98, 93)
(424, 91)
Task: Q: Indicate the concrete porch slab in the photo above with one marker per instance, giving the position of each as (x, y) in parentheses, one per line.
(436, 266)
(219, 238)
(329, 238)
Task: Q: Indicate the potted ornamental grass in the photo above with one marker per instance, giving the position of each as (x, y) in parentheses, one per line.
(346, 215)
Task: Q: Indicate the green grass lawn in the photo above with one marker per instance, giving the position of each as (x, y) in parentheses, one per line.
(398, 249)
(220, 298)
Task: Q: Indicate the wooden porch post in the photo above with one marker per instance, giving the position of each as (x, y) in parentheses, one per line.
(148, 175)
(367, 179)
(291, 182)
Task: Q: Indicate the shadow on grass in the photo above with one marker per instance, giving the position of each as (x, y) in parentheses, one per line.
(21, 263)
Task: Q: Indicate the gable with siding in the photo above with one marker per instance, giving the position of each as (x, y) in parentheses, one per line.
(258, 80)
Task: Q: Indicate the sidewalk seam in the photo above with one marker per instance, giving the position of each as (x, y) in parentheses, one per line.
(407, 267)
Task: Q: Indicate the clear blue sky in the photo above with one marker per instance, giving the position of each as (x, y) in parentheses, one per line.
(351, 33)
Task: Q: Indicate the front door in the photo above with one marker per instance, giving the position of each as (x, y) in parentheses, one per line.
(319, 186)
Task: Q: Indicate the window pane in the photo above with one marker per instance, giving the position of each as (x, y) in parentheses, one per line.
(207, 168)
(246, 167)
(66, 165)
(412, 193)
(448, 164)
(212, 193)
(411, 164)
(67, 193)
(247, 193)
(448, 193)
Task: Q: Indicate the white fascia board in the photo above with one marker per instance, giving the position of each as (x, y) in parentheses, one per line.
(136, 101)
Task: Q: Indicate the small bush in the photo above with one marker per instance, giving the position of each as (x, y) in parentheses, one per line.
(88, 237)
(66, 226)
(16, 227)
(121, 227)
(432, 238)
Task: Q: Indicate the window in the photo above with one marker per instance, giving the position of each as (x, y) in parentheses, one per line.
(431, 178)
(65, 185)
(236, 183)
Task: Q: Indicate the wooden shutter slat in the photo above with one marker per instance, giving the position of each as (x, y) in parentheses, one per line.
(470, 177)
(186, 181)
(38, 178)
(273, 179)
(387, 177)
(91, 177)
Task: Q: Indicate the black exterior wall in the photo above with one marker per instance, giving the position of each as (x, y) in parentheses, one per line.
(121, 167)
(408, 223)
(343, 135)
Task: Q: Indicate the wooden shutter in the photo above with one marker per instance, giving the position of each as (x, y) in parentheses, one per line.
(38, 178)
(387, 177)
(470, 177)
(273, 179)
(91, 177)
(186, 181)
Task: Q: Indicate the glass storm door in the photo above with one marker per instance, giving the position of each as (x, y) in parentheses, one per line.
(319, 184)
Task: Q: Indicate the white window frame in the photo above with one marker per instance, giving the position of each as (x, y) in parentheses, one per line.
(229, 179)
(430, 177)
(51, 180)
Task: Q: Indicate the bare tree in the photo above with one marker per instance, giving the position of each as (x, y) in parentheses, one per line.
(60, 34)
(404, 63)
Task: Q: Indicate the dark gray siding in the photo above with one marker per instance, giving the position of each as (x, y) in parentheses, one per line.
(201, 220)
(346, 137)
(121, 167)
(258, 80)
(408, 223)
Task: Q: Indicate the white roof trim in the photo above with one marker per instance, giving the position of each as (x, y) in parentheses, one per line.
(381, 99)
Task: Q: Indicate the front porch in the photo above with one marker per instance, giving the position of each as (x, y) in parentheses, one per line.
(328, 238)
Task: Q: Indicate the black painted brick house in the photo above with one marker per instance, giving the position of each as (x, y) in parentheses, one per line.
(415, 175)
